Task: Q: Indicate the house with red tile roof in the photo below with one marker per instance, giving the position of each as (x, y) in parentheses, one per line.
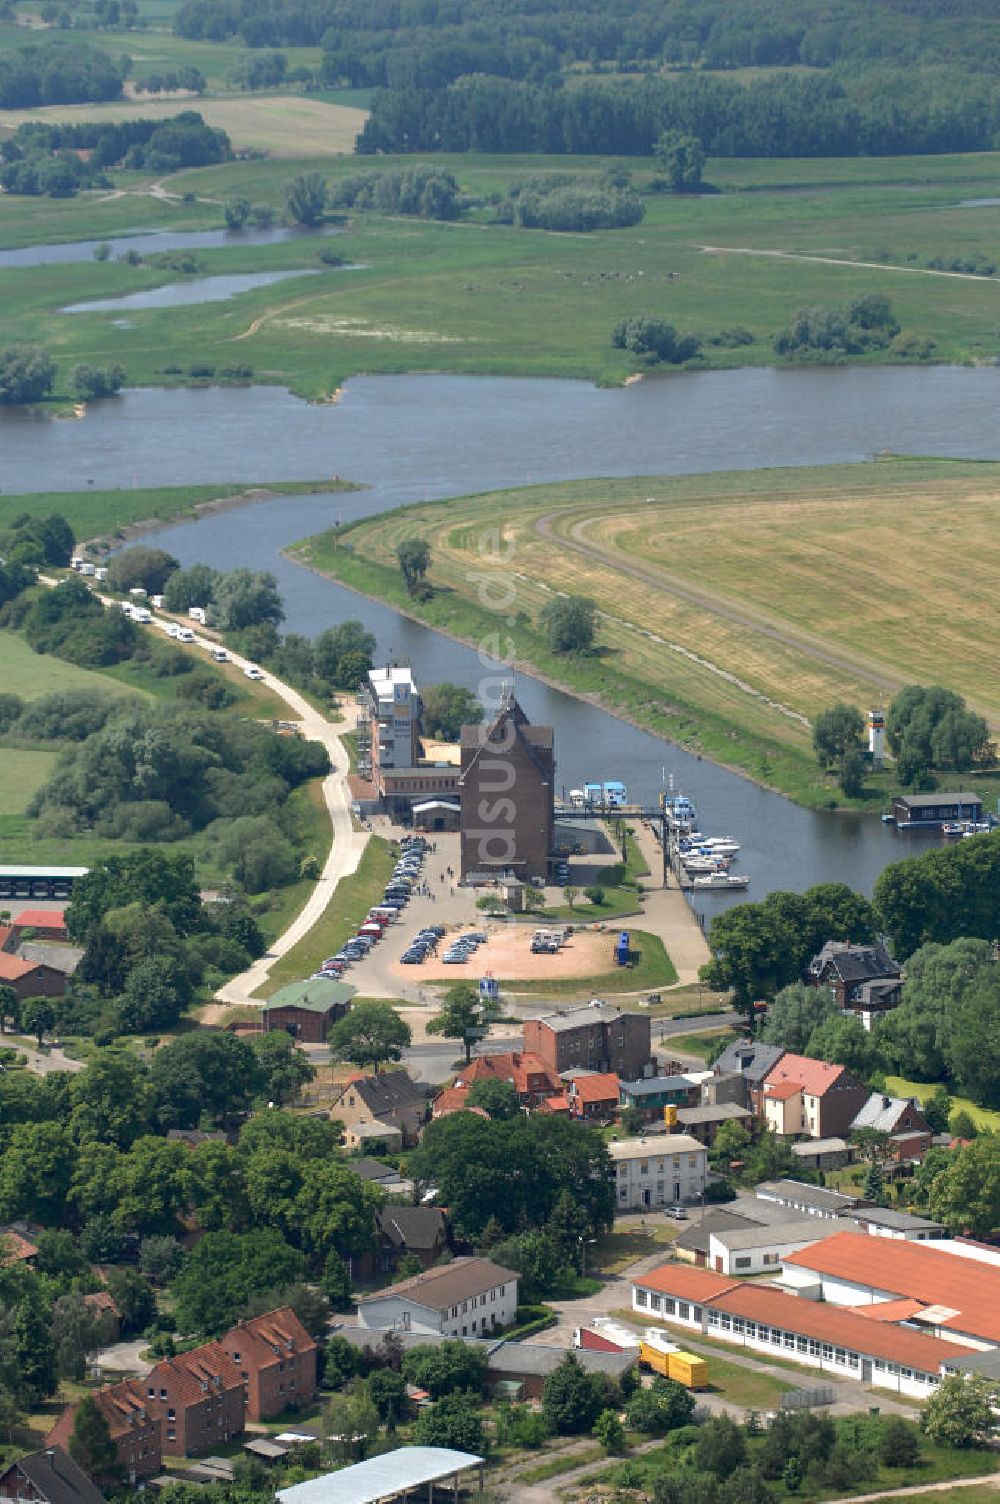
(838, 1341)
(48, 924)
(31, 978)
(811, 1098)
(200, 1397)
(16, 1247)
(277, 1360)
(531, 1078)
(958, 1296)
(594, 1094)
(134, 1428)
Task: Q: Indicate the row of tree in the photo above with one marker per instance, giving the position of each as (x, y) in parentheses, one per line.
(928, 729)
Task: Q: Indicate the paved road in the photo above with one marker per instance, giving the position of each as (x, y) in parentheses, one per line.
(42, 1062)
(348, 843)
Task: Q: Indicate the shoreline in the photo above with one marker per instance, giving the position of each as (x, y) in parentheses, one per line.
(524, 666)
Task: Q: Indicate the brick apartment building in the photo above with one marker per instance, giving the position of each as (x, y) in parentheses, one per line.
(593, 1036)
(277, 1361)
(507, 787)
(133, 1425)
(200, 1398)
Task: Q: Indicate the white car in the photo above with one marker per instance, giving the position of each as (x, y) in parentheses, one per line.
(253, 672)
(173, 630)
(220, 655)
(185, 634)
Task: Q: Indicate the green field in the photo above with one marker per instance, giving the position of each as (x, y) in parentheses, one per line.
(478, 297)
(734, 652)
(30, 674)
(21, 773)
(94, 515)
(983, 1117)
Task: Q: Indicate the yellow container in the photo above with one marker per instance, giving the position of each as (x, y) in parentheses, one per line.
(655, 1359)
(688, 1370)
(670, 1115)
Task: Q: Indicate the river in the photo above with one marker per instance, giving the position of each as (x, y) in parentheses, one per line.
(408, 438)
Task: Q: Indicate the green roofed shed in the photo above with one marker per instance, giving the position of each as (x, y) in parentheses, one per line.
(308, 1009)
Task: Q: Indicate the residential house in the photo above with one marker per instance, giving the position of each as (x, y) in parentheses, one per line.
(277, 1360)
(507, 753)
(470, 1297)
(374, 1171)
(752, 1061)
(693, 1243)
(862, 978)
(308, 1010)
(703, 1122)
(48, 924)
(17, 1245)
(47, 1477)
(811, 1098)
(200, 1398)
(101, 1303)
(901, 1118)
(657, 1172)
(593, 1094)
(418, 1230)
(729, 1087)
(593, 1036)
(31, 978)
(652, 1094)
(133, 1425)
(760, 1250)
(392, 1100)
(531, 1077)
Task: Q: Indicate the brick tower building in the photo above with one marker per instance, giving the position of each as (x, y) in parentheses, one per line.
(507, 787)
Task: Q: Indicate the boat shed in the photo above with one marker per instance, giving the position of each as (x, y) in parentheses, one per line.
(909, 810)
(390, 1476)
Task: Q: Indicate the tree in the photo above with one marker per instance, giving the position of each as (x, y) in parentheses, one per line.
(453, 1422)
(245, 598)
(682, 158)
(610, 1432)
(141, 566)
(237, 212)
(37, 1017)
(899, 1442)
(133, 1297)
(654, 340)
(10, 1007)
(387, 1392)
(795, 1013)
(32, 1352)
(960, 1412)
(90, 1444)
(837, 732)
(160, 1257)
(88, 382)
(111, 1099)
(305, 198)
(963, 1192)
(414, 557)
(285, 1068)
(569, 623)
(450, 1368)
(27, 374)
(350, 1424)
(931, 727)
(343, 654)
(211, 1072)
(845, 1041)
(368, 1035)
(497, 1097)
(465, 1015)
(662, 1407)
(194, 586)
(746, 1486)
(792, 1475)
(78, 1331)
(572, 1399)
(937, 1109)
(721, 1447)
(571, 895)
(962, 1125)
(337, 1282)
(447, 708)
(538, 1259)
(874, 1186)
(594, 895)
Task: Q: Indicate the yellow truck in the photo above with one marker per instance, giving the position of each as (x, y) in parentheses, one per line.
(664, 1357)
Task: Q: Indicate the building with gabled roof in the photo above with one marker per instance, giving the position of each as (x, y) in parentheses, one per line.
(133, 1425)
(891, 1115)
(593, 1094)
(863, 978)
(814, 1098)
(47, 1477)
(200, 1398)
(531, 1077)
(31, 978)
(507, 787)
(277, 1359)
(470, 1297)
(390, 1100)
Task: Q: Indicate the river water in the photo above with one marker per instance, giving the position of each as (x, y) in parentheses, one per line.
(410, 438)
(186, 294)
(149, 242)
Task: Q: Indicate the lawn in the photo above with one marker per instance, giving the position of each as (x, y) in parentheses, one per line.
(652, 967)
(736, 655)
(21, 774)
(31, 675)
(353, 898)
(707, 1043)
(615, 1251)
(983, 1117)
(743, 1386)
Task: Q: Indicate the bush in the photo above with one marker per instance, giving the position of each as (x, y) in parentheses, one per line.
(654, 340)
(595, 895)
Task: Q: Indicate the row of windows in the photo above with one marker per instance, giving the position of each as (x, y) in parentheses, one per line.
(811, 1346)
(479, 1300)
(668, 1305)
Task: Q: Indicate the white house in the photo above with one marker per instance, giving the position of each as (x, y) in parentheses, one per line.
(651, 1172)
(467, 1298)
(759, 1250)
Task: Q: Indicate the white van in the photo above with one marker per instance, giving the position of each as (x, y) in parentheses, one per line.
(142, 615)
(197, 613)
(88, 569)
(253, 672)
(220, 655)
(100, 574)
(185, 634)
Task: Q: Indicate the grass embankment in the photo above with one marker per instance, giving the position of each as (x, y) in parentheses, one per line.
(650, 967)
(707, 1044)
(733, 651)
(478, 297)
(983, 1117)
(355, 896)
(107, 515)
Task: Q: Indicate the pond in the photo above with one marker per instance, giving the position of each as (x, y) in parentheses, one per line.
(185, 294)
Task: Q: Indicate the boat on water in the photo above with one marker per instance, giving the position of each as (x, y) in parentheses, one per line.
(679, 809)
(611, 794)
(975, 827)
(725, 845)
(721, 882)
(703, 864)
(954, 828)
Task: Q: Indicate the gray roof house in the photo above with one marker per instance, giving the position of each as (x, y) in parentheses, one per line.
(750, 1058)
(47, 1477)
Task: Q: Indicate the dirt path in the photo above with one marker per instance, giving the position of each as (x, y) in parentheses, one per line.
(706, 601)
(873, 266)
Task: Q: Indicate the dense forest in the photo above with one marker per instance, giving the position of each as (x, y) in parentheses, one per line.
(59, 72)
(816, 115)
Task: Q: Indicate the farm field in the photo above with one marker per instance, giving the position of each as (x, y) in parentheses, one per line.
(478, 297)
(735, 651)
(284, 125)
